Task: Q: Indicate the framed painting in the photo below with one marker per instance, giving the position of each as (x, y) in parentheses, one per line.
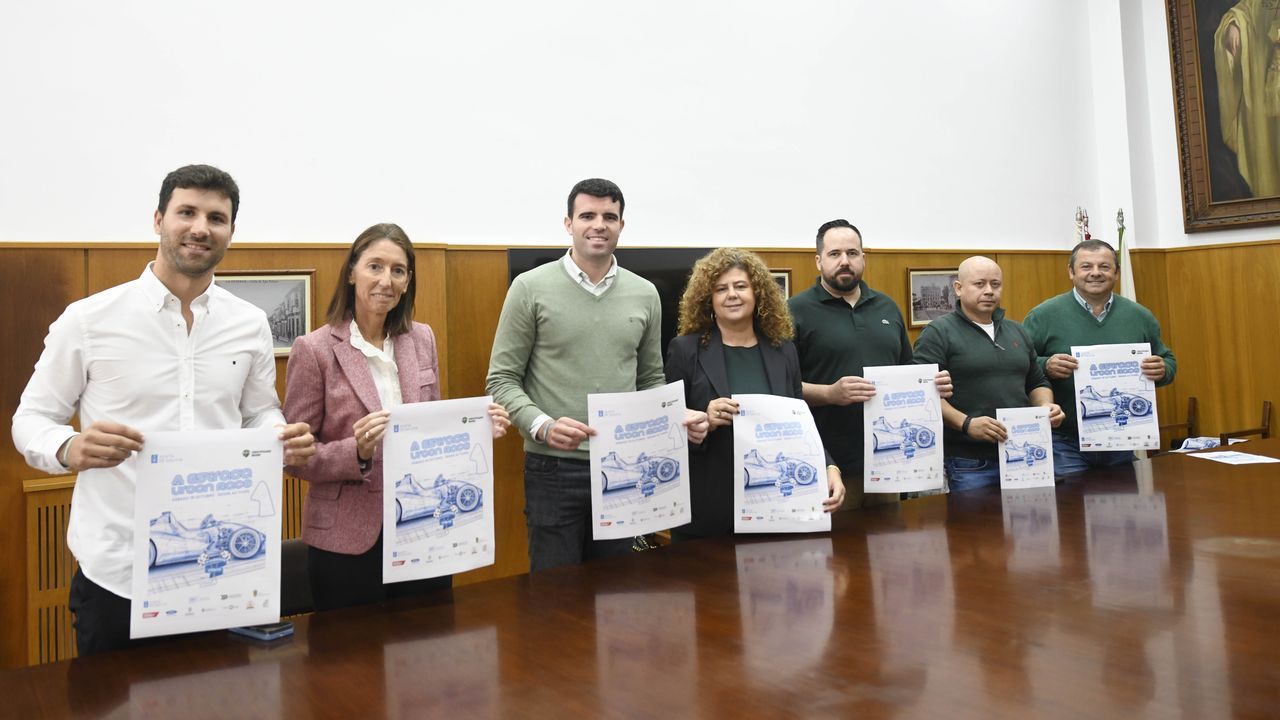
(284, 295)
(1226, 84)
(782, 276)
(932, 294)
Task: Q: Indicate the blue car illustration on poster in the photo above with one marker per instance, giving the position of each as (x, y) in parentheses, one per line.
(210, 545)
(643, 474)
(782, 472)
(906, 436)
(1116, 404)
(1026, 452)
(442, 501)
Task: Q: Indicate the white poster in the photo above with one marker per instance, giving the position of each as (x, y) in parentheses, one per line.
(206, 531)
(902, 436)
(438, 457)
(639, 462)
(778, 457)
(1026, 456)
(1115, 403)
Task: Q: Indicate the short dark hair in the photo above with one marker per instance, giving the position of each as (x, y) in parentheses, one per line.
(201, 177)
(597, 187)
(1092, 244)
(837, 223)
(342, 306)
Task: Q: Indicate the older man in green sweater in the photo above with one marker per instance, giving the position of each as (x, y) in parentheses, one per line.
(568, 328)
(1091, 314)
(992, 364)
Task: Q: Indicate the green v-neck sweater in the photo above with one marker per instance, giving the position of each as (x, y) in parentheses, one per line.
(1061, 322)
(556, 342)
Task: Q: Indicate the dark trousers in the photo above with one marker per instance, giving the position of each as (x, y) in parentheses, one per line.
(339, 580)
(557, 509)
(101, 618)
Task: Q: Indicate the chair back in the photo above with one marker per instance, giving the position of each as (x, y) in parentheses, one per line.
(1263, 430)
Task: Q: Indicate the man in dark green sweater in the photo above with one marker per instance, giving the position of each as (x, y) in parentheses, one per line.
(1091, 314)
(992, 364)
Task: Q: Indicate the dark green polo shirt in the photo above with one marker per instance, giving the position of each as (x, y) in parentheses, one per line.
(835, 340)
(986, 374)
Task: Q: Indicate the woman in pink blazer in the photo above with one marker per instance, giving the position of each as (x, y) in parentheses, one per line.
(341, 379)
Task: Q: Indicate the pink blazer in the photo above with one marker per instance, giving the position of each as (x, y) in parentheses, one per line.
(328, 385)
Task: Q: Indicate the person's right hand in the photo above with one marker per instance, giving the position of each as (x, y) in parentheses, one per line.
(103, 444)
(850, 389)
(1060, 366)
(567, 433)
(988, 429)
(1231, 41)
(720, 412)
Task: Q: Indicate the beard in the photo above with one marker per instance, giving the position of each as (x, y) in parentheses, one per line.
(842, 281)
(191, 266)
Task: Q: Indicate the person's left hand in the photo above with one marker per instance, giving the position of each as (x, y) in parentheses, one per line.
(697, 425)
(500, 419)
(943, 382)
(1153, 368)
(1056, 415)
(299, 443)
(835, 490)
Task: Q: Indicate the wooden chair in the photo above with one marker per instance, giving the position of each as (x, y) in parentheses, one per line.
(1188, 429)
(1264, 429)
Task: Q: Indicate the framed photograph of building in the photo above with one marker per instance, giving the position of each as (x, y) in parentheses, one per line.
(932, 294)
(1226, 75)
(284, 295)
(782, 276)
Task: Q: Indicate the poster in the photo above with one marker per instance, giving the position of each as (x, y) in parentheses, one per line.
(438, 457)
(1115, 404)
(778, 457)
(1026, 456)
(902, 439)
(206, 531)
(639, 462)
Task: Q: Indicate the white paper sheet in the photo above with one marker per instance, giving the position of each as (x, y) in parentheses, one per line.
(206, 531)
(779, 468)
(1115, 404)
(1232, 457)
(902, 435)
(639, 462)
(437, 489)
(1026, 457)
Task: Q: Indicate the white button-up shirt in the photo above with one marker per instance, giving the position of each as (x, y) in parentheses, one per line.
(382, 366)
(124, 355)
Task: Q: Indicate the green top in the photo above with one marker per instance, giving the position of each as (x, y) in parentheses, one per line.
(835, 340)
(556, 342)
(985, 374)
(1061, 322)
(745, 368)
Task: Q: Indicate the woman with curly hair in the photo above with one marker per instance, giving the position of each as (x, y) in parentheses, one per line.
(734, 337)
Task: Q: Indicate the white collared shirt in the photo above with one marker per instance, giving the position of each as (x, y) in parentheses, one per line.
(579, 276)
(382, 366)
(124, 355)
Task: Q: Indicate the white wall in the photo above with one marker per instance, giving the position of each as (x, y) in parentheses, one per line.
(941, 124)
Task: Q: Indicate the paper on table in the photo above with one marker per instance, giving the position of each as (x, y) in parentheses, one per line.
(1231, 457)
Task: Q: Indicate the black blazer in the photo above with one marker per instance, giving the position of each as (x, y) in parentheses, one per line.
(711, 464)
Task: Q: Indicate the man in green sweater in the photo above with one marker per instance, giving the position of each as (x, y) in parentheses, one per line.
(1091, 314)
(992, 364)
(568, 328)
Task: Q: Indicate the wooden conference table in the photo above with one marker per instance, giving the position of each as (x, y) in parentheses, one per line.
(1148, 592)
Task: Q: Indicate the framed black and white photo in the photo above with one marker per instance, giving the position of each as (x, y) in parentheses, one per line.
(284, 295)
(932, 293)
(782, 276)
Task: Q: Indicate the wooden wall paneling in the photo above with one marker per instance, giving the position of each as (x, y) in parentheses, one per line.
(476, 282)
(36, 284)
(1030, 278)
(1151, 289)
(431, 304)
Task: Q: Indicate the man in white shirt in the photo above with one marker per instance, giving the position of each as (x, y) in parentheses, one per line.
(168, 351)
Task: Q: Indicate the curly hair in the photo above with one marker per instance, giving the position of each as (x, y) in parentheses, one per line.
(772, 317)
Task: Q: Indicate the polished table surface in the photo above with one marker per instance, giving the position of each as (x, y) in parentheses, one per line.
(1153, 591)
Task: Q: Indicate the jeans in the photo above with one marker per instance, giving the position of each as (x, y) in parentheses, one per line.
(1069, 460)
(557, 509)
(964, 474)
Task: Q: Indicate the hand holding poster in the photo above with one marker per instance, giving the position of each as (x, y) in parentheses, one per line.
(1026, 457)
(902, 436)
(437, 489)
(778, 455)
(206, 531)
(639, 462)
(1116, 404)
